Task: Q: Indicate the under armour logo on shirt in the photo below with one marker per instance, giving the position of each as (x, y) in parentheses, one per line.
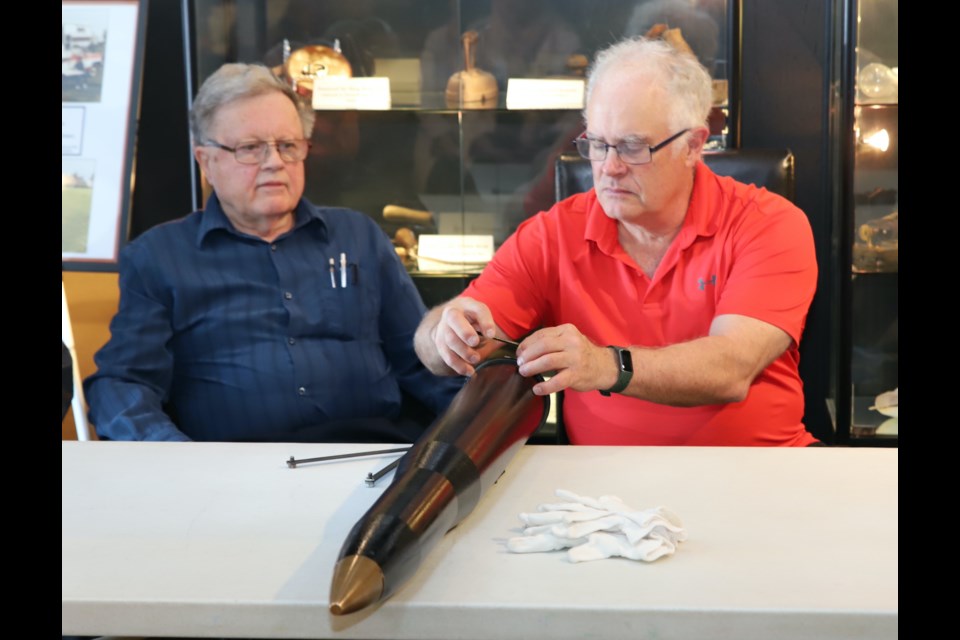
(712, 281)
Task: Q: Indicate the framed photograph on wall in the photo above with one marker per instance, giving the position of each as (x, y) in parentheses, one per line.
(102, 45)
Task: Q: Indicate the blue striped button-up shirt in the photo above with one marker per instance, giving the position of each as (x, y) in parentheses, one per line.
(223, 336)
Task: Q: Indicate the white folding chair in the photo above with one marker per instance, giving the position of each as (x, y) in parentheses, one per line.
(79, 403)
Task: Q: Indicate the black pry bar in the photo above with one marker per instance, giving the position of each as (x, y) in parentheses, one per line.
(373, 477)
(293, 462)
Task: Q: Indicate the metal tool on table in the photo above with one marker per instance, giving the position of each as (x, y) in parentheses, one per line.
(372, 478)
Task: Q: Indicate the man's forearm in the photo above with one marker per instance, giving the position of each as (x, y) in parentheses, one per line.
(685, 375)
(127, 411)
(715, 369)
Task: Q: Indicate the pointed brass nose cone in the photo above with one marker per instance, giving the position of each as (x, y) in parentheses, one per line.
(357, 583)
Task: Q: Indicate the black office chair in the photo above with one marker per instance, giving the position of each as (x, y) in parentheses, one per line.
(772, 169)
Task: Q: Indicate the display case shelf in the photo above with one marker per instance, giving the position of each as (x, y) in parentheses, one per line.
(869, 225)
(471, 170)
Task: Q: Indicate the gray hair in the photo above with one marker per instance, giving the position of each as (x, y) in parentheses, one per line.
(237, 81)
(684, 79)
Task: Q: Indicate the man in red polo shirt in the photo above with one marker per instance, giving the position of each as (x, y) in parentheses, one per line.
(669, 301)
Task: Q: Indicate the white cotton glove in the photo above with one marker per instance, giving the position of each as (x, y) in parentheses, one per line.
(593, 529)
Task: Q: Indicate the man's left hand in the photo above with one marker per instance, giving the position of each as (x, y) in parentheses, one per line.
(577, 362)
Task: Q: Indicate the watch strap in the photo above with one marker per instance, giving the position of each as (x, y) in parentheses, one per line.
(625, 374)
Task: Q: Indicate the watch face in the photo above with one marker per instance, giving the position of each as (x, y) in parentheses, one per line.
(626, 360)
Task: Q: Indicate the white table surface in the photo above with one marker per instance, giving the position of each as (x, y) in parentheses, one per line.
(224, 540)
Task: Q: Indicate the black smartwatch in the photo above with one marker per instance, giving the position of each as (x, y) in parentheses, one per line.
(625, 361)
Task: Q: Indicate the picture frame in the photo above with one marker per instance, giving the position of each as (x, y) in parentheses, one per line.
(102, 45)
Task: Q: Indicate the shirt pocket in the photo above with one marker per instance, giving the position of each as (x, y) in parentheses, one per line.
(347, 305)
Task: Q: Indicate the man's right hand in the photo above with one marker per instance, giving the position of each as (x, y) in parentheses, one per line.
(450, 339)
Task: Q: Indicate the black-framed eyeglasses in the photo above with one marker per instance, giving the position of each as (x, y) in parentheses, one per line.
(256, 151)
(629, 151)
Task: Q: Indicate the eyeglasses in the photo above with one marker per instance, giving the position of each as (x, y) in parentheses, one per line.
(256, 151)
(629, 151)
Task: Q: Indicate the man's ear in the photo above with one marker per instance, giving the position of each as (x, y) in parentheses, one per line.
(695, 141)
(202, 156)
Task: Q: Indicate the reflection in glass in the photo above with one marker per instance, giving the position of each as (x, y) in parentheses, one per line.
(463, 170)
(699, 28)
(874, 366)
(517, 38)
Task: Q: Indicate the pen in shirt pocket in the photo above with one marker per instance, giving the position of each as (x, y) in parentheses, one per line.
(349, 272)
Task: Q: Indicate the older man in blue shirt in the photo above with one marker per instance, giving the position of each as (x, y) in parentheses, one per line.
(262, 317)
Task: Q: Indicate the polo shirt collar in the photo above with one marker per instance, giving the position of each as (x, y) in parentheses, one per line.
(214, 219)
(601, 228)
(702, 218)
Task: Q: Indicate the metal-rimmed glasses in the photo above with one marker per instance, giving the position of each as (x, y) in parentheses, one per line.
(629, 151)
(256, 151)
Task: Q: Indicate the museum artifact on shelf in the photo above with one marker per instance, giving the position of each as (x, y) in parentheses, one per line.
(471, 88)
(888, 404)
(405, 239)
(877, 246)
(304, 65)
(673, 37)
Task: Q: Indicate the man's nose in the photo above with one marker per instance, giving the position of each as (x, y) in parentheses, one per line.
(612, 164)
(271, 156)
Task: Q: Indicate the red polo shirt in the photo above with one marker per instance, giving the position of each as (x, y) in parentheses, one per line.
(741, 250)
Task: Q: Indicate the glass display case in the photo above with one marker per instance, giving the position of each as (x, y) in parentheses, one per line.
(451, 144)
(868, 391)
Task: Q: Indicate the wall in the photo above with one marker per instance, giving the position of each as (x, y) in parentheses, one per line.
(92, 299)
(163, 188)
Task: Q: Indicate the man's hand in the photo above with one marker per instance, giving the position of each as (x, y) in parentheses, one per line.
(579, 364)
(451, 336)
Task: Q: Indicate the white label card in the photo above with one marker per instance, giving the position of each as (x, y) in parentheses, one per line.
(537, 93)
(334, 92)
(437, 252)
